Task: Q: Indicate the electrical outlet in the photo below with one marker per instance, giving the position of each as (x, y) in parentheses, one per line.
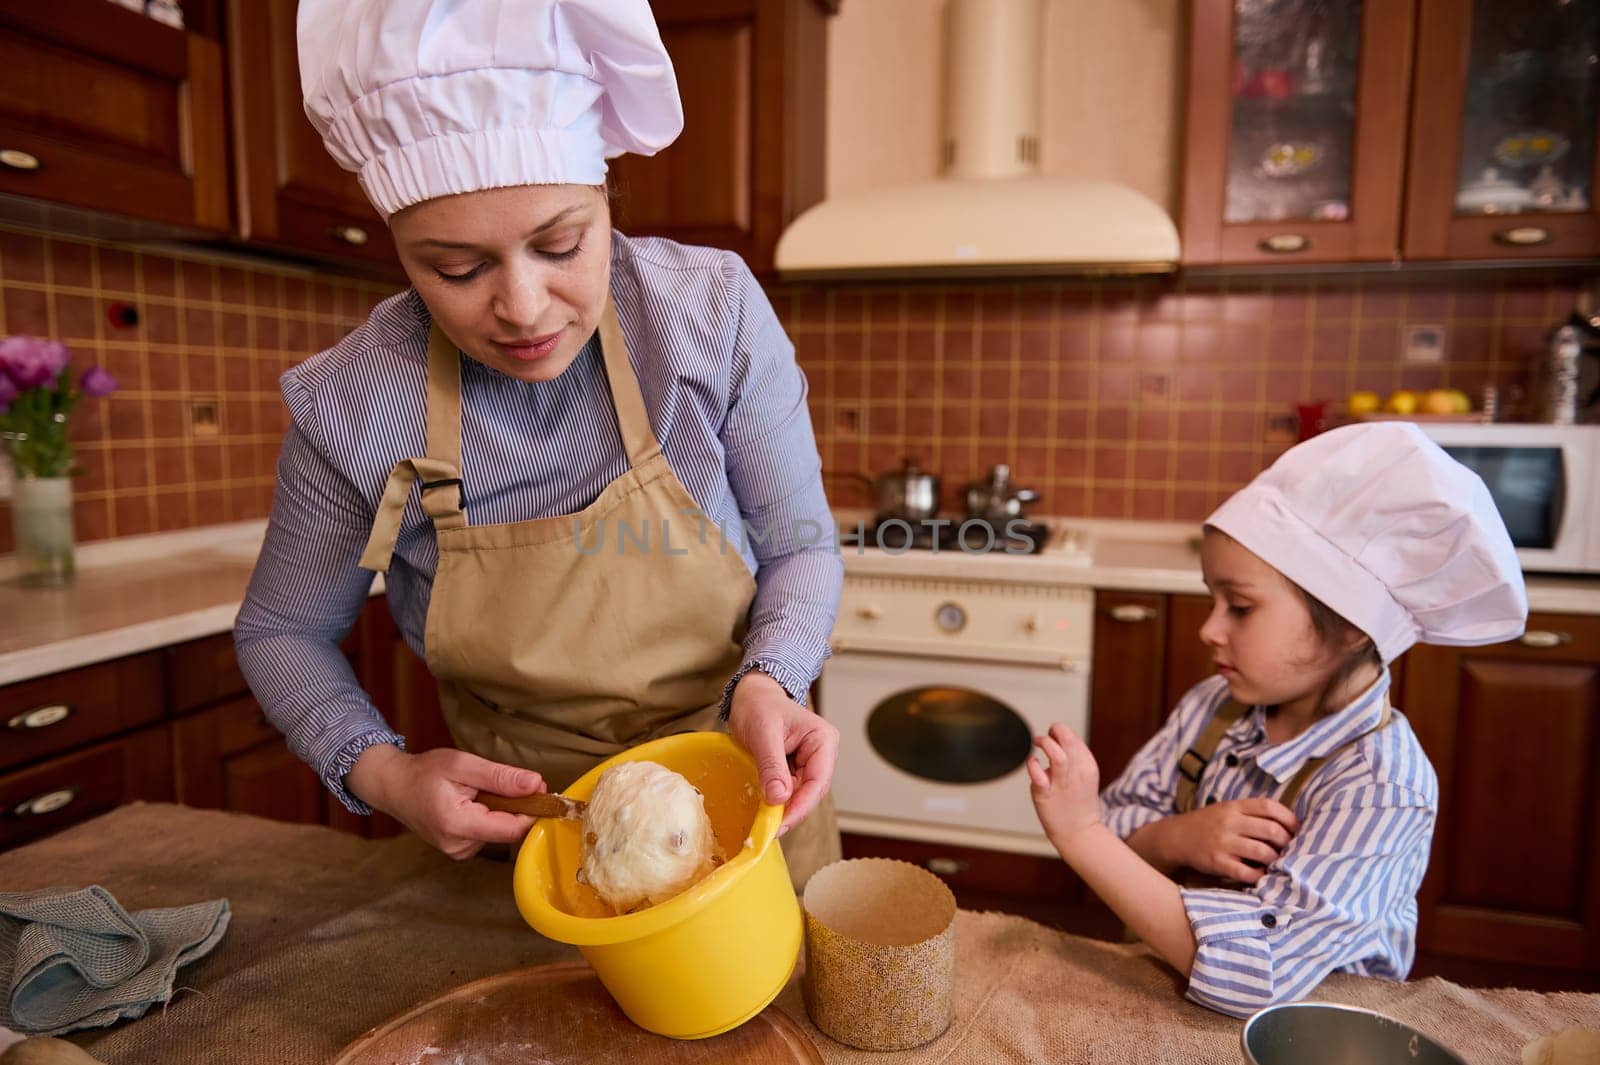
(1281, 429)
(1424, 345)
(204, 417)
(1155, 386)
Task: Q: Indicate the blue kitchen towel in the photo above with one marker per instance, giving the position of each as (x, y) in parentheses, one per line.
(76, 959)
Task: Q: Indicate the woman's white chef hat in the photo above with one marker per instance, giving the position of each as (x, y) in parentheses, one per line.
(1390, 532)
(426, 98)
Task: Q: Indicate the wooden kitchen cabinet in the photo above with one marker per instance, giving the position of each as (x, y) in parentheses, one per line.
(105, 109)
(751, 75)
(1147, 654)
(1503, 121)
(1296, 131)
(1514, 733)
(179, 724)
(229, 757)
(1040, 887)
(289, 192)
(47, 716)
(49, 796)
(1360, 131)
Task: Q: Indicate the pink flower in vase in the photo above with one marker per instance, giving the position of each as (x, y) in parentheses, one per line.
(97, 382)
(8, 392)
(31, 362)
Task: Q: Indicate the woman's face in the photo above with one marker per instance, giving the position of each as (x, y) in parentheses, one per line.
(516, 277)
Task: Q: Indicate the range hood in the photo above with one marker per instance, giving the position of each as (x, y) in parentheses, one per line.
(991, 212)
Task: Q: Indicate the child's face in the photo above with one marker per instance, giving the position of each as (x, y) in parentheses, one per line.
(1260, 632)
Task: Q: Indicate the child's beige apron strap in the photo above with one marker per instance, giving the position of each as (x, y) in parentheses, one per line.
(1192, 766)
(439, 471)
(1303, 777)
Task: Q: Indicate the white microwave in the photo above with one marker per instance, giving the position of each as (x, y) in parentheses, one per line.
(1545, 480)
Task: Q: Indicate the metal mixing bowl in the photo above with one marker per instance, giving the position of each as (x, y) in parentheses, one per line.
(1325, 1033)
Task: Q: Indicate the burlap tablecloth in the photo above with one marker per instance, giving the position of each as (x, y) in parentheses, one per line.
(332, 935)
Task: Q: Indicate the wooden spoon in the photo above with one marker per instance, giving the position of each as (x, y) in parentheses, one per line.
(540, 805)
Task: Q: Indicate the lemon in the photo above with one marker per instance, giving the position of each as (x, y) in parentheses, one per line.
(1402, 401)
(1462, 400)
(1363, 403)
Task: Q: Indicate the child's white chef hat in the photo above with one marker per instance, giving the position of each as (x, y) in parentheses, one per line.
(1390, 532)
(426, 98)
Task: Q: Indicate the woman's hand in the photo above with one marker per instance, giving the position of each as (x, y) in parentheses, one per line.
(794, 748)
(1066, 794)
(1236, 839)
(434, 794)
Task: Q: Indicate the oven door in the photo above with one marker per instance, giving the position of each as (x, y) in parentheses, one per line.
(934, 748)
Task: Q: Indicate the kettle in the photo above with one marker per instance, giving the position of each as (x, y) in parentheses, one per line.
(997, 501)
(1569, 386)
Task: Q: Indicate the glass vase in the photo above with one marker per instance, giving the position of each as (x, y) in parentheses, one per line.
(41, 530)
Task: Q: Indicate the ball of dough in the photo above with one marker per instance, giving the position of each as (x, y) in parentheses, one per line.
(646, 836)
(46, 1051)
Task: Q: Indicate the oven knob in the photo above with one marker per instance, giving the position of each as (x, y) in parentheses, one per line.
(870, 613)
(951, 617)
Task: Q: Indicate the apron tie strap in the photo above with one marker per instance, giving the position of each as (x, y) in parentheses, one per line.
(441, 501)
(1192, 764)
(627, 396)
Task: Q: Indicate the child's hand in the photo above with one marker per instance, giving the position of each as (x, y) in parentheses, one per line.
(1237, 839)
(1066, 796)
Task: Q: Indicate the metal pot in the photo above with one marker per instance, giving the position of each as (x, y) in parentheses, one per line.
(908, 493)
(996, 500)
(1324, 1033)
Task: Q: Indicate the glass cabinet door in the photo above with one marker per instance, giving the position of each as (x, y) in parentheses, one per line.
(1295, 130)
(1528, 119)
(1501, 160)
(1292, 133)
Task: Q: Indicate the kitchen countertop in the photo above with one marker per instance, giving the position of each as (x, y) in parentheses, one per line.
(336, 934)
(139, 593)
(129, 595)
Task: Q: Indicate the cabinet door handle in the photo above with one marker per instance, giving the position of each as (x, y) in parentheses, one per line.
(1131, 613)
(47, 802)
(352, 235)
(41, 717)
(869, 612)
(1545, 638)
(947, 866)
(1523, 236)
(1286, 243)
(17, 159)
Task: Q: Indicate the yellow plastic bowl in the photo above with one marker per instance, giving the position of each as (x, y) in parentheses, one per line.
(705, 961)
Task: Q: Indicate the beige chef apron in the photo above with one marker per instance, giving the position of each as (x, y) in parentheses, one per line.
(559, 642)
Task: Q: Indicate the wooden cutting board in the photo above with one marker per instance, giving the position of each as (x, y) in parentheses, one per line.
(560, 1013)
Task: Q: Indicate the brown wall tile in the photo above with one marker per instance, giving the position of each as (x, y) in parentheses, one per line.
(140, 470)
(1138, 397)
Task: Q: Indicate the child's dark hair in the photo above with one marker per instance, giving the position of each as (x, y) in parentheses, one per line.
(1333, 631)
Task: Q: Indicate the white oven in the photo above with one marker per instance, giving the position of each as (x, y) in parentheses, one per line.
(937, 688)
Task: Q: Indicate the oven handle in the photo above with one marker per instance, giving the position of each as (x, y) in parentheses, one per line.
(1068, 663)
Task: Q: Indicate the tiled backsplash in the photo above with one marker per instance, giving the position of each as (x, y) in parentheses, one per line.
(1132, 399)
(1112, 399)
(209, 333)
